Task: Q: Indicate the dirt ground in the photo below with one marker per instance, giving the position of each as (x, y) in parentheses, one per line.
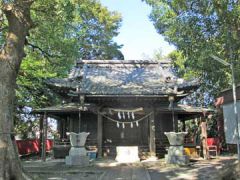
(106, 169)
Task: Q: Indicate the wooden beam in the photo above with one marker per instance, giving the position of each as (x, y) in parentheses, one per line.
(99, 134)
(152, 144)
(44, 137)
(70, 124)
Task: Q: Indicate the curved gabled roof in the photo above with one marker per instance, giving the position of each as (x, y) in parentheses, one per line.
(120, 77)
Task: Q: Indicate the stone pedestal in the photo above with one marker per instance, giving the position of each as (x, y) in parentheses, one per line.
(181, 160)
(127, 154)
(77, 160)
(77, 151)
(176, 154)
(77, 154)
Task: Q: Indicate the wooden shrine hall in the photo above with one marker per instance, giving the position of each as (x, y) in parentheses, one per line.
(121, 103)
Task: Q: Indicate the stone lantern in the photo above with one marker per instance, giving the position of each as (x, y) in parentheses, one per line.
(176, 153)
(78, 153)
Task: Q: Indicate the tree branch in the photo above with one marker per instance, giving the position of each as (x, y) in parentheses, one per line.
(43, 52)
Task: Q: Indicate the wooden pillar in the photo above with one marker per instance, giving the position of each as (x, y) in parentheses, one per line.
(79, 121)
(152, 144)
(204, 138)
(183, 126)
(176, 122)
(41, 134)
(63, 128)
(60, 128)
(44, 136)
(99, 134)
(70, 124)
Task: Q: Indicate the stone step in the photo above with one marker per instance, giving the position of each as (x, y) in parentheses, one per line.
(125, 172)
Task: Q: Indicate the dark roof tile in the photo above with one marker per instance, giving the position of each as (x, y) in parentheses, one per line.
(115, 77)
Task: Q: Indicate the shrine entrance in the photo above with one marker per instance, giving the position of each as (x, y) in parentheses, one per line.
(125, 133)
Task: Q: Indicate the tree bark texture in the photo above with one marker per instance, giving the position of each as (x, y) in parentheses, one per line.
(11, 55)
(204, 139)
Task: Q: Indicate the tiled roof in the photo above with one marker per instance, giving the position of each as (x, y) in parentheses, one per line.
(120, 77)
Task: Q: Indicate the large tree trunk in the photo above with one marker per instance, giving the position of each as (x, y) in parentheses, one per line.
(19, 23)
(10, 166)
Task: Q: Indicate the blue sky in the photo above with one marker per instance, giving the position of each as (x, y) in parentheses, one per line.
(137, 32)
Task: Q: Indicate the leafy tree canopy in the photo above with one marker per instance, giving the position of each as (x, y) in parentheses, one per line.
(199, 29)
(64, 31)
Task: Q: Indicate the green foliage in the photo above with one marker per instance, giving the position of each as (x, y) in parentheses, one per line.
(158, 55)
(32, 90)
(192, 127)
(199, 29)
(212, 128)
(65, 31)
(27, 129)
(179, 64)
(75, 28)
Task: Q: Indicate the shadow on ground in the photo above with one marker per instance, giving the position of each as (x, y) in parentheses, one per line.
(105, 169)
(221, 168)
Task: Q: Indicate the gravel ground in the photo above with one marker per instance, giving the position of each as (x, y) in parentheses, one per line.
(220, 168)
(213, 169)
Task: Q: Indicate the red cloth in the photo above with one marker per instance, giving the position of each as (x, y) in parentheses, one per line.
(32, 146)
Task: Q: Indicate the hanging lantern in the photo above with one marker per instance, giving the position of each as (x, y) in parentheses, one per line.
(119, 115)
(118, 125)
(128, 115)
(123, 114)
(133, 117)
(131, 125)
(137, 123)
(123, 125)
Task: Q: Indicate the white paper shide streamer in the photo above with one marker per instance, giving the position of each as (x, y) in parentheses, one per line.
(123, 114)
(119, 115)
(128, 116)
(133, 117)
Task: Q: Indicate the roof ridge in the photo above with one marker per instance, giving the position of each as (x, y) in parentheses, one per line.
(139, 61)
